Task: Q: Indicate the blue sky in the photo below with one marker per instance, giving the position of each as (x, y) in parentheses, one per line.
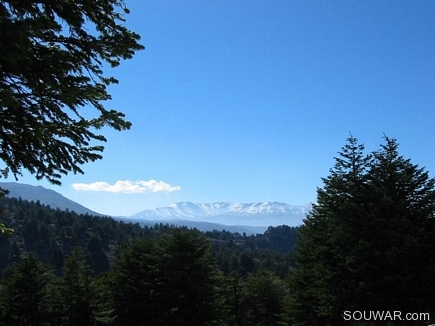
(248, 101)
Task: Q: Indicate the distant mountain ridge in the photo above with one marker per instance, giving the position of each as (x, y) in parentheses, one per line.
(45, 196)
(234, 217)
(253, 214)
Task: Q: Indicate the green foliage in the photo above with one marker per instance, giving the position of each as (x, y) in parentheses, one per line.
(57, 258)
(4, 230)
(165, 281)
(230, 294)
(104, 313)
(254, 300)
(247, 254)
(190, 273)
(94, 245)
(27, 294)
(14, 255)
(157, 278)
(369, 242)
(51, 61)
(76, 291)
(31, 233)
(263, 299)
(162, 275)
(53, 243)
(56, 232)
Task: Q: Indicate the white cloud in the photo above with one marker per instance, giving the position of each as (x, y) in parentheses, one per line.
(127, 187)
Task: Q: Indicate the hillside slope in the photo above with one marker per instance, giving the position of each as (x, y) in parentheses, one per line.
(45, 196)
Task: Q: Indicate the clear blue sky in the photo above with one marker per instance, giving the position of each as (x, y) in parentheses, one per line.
(250, 100)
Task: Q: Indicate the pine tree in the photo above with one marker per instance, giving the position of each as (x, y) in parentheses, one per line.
(134, 283)
(52, 59)
(165, 281)
(189, 277)
(399, 234)
(263, 299)
(26, 295)
(321, 255)
(230, 295)
(76, 291)
(368, 243)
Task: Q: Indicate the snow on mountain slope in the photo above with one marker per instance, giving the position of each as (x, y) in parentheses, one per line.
(254, 214)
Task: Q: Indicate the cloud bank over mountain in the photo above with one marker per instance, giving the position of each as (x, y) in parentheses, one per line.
(127, 187)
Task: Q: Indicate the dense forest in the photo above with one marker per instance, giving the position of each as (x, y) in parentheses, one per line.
(365, 255)
(61, 268)
(367, 245)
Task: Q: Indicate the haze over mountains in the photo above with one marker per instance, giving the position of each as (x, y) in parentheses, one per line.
(233, 217)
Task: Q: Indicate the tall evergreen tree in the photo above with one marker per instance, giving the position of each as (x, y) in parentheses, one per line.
(133, 285)
(368, 243)
(165, 281)
(263, 299)
(26, 294)
(76, 291)
(189, 278)
(399, 234)
(317, 297)
(230, 293)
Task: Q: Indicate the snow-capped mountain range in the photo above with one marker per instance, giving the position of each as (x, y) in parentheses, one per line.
(234, 217)
(254, 214)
